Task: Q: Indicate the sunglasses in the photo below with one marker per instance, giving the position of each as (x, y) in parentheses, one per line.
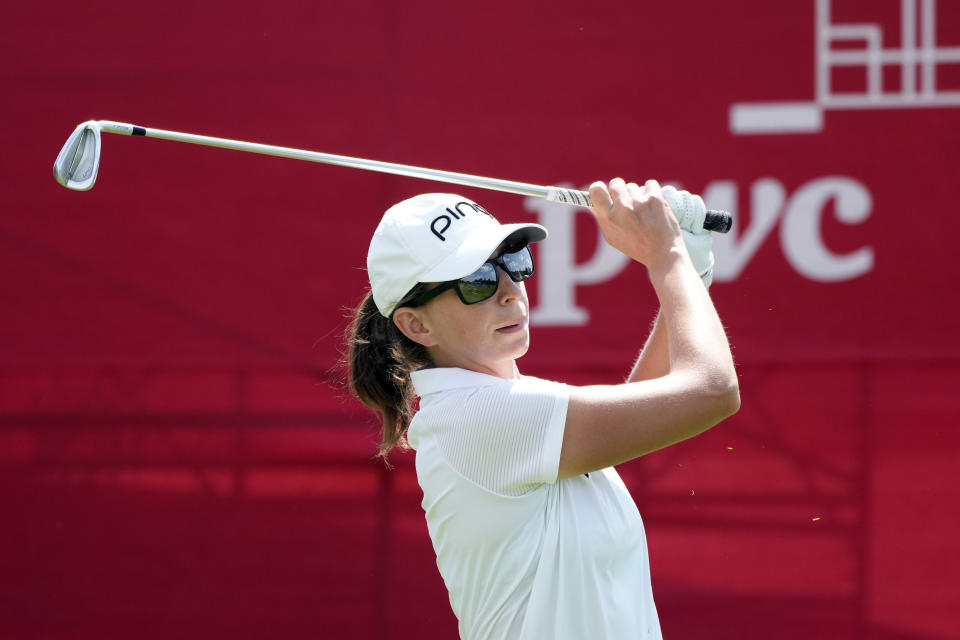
(482, 283)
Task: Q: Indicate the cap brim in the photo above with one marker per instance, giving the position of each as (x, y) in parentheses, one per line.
(477, 249)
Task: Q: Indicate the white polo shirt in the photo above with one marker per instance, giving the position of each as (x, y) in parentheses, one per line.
(523, 556)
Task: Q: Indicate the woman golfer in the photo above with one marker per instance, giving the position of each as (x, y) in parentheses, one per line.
(535, 533)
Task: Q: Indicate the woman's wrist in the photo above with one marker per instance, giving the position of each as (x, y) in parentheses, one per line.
(672, 260)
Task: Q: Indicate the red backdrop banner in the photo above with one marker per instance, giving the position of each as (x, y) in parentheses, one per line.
(177, 454)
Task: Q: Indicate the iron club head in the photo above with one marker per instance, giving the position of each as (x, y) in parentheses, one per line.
(76, 165)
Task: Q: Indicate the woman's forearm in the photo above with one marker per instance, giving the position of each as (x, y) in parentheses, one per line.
(654, 359)
(697, 342)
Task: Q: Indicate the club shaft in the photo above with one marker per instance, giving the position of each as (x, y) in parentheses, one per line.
(452, 177)
(714, 220)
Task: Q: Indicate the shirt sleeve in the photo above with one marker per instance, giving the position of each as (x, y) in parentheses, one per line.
(507, 437)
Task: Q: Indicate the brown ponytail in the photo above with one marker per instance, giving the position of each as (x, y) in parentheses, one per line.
(379, 361)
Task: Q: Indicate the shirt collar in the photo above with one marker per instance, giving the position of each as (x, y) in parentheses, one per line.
(435, 380)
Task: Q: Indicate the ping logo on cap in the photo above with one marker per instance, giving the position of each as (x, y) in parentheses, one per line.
(457, 214)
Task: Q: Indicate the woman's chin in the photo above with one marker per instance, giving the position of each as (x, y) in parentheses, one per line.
(522, 344)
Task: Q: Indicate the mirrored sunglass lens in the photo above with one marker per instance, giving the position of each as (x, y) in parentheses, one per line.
(479, 285)
(519, 264)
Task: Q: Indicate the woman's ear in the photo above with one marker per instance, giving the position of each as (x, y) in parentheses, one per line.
(410, 323)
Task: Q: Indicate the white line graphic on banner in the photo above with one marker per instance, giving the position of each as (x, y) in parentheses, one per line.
(807, 117)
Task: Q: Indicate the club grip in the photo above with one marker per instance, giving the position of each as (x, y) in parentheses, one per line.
(716, 221)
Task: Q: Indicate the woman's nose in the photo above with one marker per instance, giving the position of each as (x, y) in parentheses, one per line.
(507, 290)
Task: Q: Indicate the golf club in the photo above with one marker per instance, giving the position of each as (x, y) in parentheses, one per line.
(76, 167)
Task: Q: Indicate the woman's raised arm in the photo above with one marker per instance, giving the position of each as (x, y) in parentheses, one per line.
(607, 425)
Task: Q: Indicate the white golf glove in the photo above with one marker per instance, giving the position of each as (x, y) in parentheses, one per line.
(690, 212)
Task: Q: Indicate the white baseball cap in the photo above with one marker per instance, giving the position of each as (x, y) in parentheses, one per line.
(434, 237)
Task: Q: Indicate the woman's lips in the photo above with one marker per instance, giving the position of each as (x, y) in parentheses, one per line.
(511, 328)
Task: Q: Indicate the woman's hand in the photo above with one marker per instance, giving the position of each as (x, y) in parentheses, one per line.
(636, 220)
(699, 241)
